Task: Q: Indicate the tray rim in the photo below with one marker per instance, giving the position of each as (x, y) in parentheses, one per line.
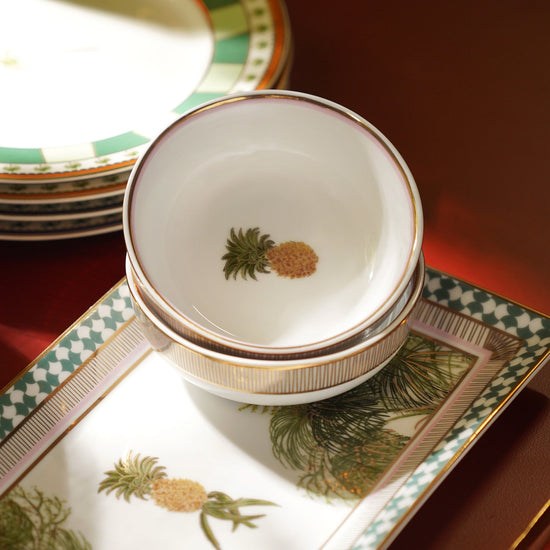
(535, 363)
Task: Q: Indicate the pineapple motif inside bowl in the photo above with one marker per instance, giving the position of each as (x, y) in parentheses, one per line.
(272, 222)
(275, 380)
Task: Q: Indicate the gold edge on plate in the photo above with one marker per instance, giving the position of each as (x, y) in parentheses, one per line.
(532, 531)
(427, 440)
(473, 320)
(461, 452)
(430, 436)
(83, 317)
(282, 46)
(78, 419)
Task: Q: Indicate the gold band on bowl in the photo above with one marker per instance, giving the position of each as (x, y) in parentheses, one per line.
(276, 377)
(191, 328)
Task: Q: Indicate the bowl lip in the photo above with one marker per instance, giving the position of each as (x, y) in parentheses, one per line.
(290, 364)
(170, 310)
(190, 336)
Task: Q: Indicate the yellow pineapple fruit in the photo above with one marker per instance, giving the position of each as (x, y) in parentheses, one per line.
(250, 252)
(179, 495)
(142, 478)
(293, 259)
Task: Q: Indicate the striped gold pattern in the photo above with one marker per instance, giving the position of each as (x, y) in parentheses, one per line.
(276, 379)
(284, 381)
(68, 395)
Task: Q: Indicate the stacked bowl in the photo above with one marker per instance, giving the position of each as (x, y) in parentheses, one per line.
(273, 247)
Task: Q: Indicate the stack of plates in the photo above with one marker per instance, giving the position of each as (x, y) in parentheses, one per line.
(87, 84)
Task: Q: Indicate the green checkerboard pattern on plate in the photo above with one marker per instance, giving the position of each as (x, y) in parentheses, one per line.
(243, 47)
(112, 312)
(77, 345)
(495, 311)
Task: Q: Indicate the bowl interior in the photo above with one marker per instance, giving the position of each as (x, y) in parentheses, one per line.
(226, 186)
(295, 381)
(405, 301)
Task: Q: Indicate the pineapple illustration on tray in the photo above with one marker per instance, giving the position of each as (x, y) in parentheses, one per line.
(342, 445)
(250, 252)
(142, 477)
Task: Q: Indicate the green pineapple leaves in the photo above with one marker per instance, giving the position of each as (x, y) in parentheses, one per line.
(133, 476)
(342, 445)
(247, 253)
(221, 506)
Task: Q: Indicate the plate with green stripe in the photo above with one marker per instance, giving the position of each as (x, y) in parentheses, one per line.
(88, 83)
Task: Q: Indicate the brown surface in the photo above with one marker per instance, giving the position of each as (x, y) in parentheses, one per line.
(462, 90)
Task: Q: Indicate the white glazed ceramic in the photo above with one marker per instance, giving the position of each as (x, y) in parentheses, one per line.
(65, 186)
(197, 339)
(298, 168)
(278, 382)
(117, 72)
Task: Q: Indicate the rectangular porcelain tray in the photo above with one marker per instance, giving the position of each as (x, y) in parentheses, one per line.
(348, 472)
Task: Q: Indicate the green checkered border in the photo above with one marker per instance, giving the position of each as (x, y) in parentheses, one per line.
(115, 309)
(497, 312)
(244, 36)
(70, 351)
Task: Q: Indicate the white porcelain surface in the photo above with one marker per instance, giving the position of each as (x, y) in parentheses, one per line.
(277, 382)
(195, 338)
(86, 85)
(299, 168)
(133, 53)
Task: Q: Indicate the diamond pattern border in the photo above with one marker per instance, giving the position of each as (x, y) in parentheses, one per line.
(492, 310)
(102, 321)
(71, 350)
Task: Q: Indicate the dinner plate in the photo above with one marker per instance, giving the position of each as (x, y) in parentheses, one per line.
(117, 74)
(87, 84)
(46, 218)
(69, 233)
(61, 207)
(61, 188)
(104, 444)
(60, 228)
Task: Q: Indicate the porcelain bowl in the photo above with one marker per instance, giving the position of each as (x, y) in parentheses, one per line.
(227, 349)
(279, 382)
(272, 223)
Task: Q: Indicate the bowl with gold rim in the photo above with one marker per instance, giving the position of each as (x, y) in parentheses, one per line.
(272, 223)
(276, 380)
